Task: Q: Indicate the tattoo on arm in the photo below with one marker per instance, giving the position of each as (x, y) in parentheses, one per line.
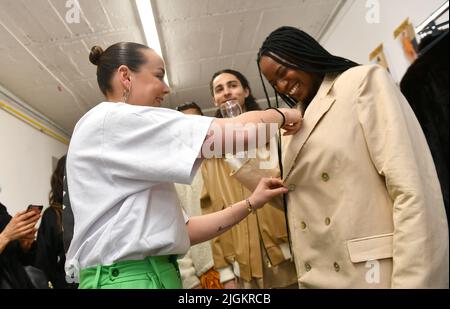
(221, 228)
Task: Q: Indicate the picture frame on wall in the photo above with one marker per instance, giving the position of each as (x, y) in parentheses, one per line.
(377, 56)
(406, 37)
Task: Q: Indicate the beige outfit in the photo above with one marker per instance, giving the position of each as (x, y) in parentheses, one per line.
(241, 248)
(365, 208)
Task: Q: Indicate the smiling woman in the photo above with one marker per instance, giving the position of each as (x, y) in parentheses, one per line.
(256, 250)
(298, 85)
(297, 71)
(367, 191)
(140, 67)
(230, 84)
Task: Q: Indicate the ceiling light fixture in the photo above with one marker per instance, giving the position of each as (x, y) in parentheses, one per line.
(147, 17)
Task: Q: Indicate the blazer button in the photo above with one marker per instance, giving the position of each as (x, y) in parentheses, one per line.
(115, 272)
(327, 221)
(303, 225)
(337, 268)
(325, 177)
(291, 187)
(307, 267)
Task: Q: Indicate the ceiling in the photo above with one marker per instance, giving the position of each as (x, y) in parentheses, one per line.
(44, 58)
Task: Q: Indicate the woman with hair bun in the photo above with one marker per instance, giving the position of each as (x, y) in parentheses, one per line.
(123, 160)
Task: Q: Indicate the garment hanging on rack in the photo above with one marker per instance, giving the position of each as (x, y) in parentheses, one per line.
(425, 86)
(434, 37)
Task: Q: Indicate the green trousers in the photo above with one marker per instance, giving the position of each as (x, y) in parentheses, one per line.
(154, 272)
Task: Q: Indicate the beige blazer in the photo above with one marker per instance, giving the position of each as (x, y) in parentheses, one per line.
(365, 208)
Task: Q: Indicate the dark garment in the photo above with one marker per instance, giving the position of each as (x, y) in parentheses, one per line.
(50, 256)
(67, 216)
(13, 259)
(425, 86)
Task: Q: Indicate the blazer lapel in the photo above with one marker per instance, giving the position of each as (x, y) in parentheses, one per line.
(318, 107)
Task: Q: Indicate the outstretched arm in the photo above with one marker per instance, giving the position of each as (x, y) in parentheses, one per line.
(245, 130)
(203, 228)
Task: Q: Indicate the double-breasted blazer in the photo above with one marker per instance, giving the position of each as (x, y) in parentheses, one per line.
(365, 209)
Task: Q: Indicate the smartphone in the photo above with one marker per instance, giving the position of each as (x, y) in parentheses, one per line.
(38, 207)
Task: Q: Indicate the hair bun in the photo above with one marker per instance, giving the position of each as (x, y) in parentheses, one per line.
(96, 53)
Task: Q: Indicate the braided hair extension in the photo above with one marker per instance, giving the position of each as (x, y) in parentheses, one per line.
(296, 49)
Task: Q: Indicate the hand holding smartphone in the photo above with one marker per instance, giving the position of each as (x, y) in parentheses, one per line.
(37, 208)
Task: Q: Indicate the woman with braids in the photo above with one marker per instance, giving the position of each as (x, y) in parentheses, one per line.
(124, 157)
(255, 252)
(364, 206)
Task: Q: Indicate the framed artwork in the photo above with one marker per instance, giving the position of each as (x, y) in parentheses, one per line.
(406, 37)
(378, 57)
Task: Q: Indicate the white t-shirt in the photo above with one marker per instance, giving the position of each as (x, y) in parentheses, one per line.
(121, 165)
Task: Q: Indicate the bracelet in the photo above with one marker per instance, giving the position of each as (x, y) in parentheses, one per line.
(281, 113)
(249, 205)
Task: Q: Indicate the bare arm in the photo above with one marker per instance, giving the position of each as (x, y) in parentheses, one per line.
(20, 226)
(244, 131)
(203, 228)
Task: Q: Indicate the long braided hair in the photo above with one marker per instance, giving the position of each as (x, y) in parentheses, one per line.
(296, 49)
(250, 101)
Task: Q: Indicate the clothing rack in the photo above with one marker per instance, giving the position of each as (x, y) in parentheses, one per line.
(435, 41)
(431, 24)
(432, 27)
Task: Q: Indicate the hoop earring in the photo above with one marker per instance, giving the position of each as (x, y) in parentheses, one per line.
(126, 94)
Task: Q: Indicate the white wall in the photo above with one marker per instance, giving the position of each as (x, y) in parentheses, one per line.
(25, 163)
(351, 36)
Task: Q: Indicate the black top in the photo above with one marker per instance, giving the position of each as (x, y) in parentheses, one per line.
(50, 256)
(67, 216)
(425, 86)
(13, 259)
